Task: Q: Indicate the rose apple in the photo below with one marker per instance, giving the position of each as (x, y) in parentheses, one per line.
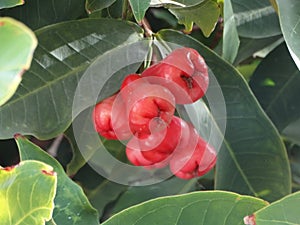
(158, 146)
(184, 72)
(109, 119)
(150, 108)
(202, 159)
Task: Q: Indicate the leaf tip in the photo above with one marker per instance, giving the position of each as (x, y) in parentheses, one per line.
(18, 136)
(250, 220)
(8, 168)
(49, 173)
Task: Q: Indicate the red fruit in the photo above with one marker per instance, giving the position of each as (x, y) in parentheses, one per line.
(184, 72)
(208, 160)
(158, 146)
(136, 158)
(150, 108)
(109, 119)
(187, 166)
(130, 83)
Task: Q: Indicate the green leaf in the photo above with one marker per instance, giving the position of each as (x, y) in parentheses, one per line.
(17, 44)
(292, 132)
(27, 191)
(65, 51)
(256, 18)
(205, 14)
(93, 6)
(139, 8)
(10, 3)
(253, 160)
(289, 17)
(77, 160)
(284, 211)
(39, 13)
(165, 3)
(71, 205)
(105, 193)
(136, 195)
(194, 208)
(277, 87)
(254, 47)
(231, 40)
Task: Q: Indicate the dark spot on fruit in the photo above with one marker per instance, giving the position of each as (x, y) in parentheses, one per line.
(188, 81)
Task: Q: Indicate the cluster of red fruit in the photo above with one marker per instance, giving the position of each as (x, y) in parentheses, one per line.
(143, 111)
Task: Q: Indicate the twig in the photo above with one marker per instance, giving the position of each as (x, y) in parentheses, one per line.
(145, 24)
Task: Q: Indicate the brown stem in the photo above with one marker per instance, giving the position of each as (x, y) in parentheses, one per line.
(145, 24)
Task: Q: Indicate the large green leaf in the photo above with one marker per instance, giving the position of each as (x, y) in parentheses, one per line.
(284, 211)
(71, 205)
(10, 3)
(254, 161)
(39, 13)
(139, 8)
(65, 51)
(136, 195)
(231, 39)
(205, 14)
(17, 43)
(97, 5)
(256, 18)
(276, 84)
(203, 208)
(289, 17)
(27, 192)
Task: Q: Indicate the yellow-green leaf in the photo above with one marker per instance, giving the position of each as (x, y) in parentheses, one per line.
(17, 44)
(27, 191)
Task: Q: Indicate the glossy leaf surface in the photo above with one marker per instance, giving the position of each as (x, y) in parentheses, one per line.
(289, 16)
(193, 208)
(65, 51)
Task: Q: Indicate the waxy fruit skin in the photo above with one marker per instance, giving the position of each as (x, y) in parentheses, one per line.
(160, 145)
(150, 108)
(197, 163)
(109, 119)
(184, 72)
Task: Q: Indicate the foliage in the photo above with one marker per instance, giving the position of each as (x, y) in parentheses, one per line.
(59, 58)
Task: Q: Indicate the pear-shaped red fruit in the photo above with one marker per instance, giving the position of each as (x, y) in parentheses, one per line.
(150, 108)
(184, 72)
(198, 162)
(110, 120)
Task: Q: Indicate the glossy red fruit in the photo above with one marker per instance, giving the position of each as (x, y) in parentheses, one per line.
(150, 108)
(130, 83)
(184, 72)
(110, 120)
(158, 146)
(200, 161)
(135, 156)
